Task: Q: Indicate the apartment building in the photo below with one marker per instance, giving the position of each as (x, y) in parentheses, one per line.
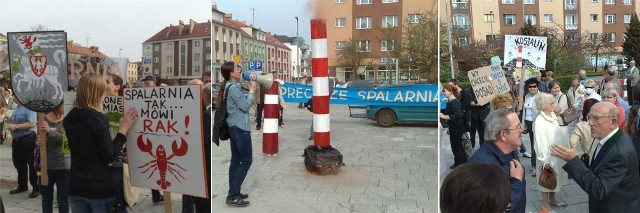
(178, 53)
(362, 21)
(487, 19)
(278, 58)
(300, 55)
(132, 72)
(227, 39)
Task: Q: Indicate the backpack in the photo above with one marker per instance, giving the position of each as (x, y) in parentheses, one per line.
(220, 126)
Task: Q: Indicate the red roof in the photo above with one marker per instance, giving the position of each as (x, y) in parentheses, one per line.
(236, 25)
(273, 41)
(74, 48)
(171, 32)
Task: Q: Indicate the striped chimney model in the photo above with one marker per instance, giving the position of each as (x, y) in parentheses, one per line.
(270, 125)
(519, 60)
(320, 74)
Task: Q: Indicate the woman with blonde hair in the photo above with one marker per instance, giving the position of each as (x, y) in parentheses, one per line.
(548, 133)
(91, 185)
(611, 95)
(502, 101)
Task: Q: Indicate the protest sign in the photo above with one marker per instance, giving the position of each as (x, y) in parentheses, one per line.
(165, 145)
(482, 84)
(400, 95)
(533, 52)
(499, 80)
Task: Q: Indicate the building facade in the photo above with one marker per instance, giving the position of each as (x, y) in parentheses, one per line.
(278, 58)
(363, 21)
(227, 39)
(178, 53)
(300, 56)
(132, 72)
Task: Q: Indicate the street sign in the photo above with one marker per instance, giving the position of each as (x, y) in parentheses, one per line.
(258, 66)
(237, 58)
(252, 65)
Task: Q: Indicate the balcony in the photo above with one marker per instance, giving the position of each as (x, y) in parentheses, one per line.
(570, 7)
(460, 6)
(571, 26)
(461, 27)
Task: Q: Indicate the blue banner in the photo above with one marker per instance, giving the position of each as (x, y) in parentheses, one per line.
(401, 95)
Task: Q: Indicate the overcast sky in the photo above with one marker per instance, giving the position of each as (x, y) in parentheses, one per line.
(110, 25)
(275, 16)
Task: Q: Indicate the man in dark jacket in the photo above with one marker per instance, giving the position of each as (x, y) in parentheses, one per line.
(477, 113)
(504, 132)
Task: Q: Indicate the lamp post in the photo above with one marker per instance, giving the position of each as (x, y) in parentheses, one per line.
(119, 53)
(297, 50)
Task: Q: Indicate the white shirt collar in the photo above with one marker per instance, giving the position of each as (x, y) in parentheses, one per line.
(606, 138)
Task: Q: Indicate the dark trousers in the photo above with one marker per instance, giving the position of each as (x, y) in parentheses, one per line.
(629, 93)
(202, 205)
(117, 177)
(187, 204)
(60, 178)
(155, 195)
(22, 154)
(455, 136)
(241, 159)
(533, 149)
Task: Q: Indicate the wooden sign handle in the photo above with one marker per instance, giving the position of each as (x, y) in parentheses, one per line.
(168, 207)
(44, 177)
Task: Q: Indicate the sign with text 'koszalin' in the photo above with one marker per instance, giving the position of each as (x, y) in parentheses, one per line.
(533, 52)
(487, 82)
(165, 145)
(404, 95)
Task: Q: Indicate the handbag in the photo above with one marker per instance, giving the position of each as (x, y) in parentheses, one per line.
(548, 178)
(570, 114)
(220, 126)
(585, 157)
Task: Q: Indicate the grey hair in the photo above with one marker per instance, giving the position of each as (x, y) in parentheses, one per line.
(612, 84)
(614, 113)
(589, 82)
(542, 100)
(610, 92)
(582, 71)
(496, 121)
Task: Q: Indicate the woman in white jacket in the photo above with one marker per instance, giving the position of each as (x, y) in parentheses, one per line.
(547, 134)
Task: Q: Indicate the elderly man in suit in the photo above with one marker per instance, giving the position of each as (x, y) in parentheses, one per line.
(612, 176)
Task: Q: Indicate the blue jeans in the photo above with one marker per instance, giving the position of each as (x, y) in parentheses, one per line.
(60, 178)
(241, 158)
(82, 204)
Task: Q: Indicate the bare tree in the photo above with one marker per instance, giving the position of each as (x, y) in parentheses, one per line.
(352, 55)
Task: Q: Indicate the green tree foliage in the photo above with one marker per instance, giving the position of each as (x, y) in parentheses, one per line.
(352, 55)
(631, 46)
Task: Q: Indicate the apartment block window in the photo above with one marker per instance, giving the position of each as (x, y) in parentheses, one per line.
(529, 1)
(156, 47)
(341, 22)
(169, 70)
(156, 59)
(626, 2)
(548, 18)
(594, 1)
(389, 21)
(593, 17)
(460, 4)
(611, 37)
(363, 2)
(414, 18)
(509, 19)
(389, 1)
(340, 45)
(364, 46)
(508, 1)
(196, 57)
(363, 22)
(610, 19)
(624, 37)
(570, 4)
(196, 69)
(169, 59)
(196, 43)
(156, 71)
(341, 1)
(463, 41)
(207, 43)
(594, 36)
(386, 45)
(626, 18)
(208, 56)
(530, 18)
(461, 21)
(169, 46)
(571, 21)
(609, 1)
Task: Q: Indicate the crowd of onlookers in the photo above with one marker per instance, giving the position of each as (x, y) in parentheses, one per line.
(588, 134)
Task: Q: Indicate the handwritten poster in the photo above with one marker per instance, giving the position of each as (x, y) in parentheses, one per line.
(533, 51)
(487, 82)
(165, 145)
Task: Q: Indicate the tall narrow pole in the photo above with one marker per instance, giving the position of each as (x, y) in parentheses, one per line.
(449, 33)
(297, 50)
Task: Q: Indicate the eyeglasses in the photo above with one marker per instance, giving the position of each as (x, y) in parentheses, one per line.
(517, 128)
(533, 86)
(596, 118)
(608, 97)
(588, 87)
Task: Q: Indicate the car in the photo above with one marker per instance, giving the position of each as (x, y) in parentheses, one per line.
(360, 84)
(388, 116)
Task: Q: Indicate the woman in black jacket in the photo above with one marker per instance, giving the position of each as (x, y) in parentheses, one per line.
(453, 115)
(91, 185)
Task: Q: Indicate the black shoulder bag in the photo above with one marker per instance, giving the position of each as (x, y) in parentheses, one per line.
(220, 121)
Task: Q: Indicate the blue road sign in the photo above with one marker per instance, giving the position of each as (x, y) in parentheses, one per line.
(252, 65)
(258, 66)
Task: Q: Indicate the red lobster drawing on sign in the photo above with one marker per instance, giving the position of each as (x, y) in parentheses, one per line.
(161, 162)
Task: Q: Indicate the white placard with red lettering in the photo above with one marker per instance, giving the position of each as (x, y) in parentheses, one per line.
(165, 145)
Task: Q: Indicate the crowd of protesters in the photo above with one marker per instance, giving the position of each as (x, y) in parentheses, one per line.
(598, 150)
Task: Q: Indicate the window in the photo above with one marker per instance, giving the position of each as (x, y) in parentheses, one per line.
(571, 22)
(156, 59)
(169, 46)
(463, 41)
(208, 56)
(363, 2)
(570, 4)
(489, 18)
(626, 2)
(490, 38)
(609, 1)
(508, 1)
(611, 37)
(207, 43)
(364, 46)
(624, 37)
(460, 4)
(196, 43)
(196, 57)
(341, 22)
(389, 21)
(529, 1)
(530, 18)
(389, 1)
(626, 18)
(461, 21)
(363, 22)
(610, 19)
(341, 1)
(340, 45)
(386, 45)
(414, 18)
(594, 36)
(156, 71)
(169, 59)
(169, 70)
(509, 19)
(196, 69)
(548, 18)
(594, 1)
(156, 47)
(593, 17)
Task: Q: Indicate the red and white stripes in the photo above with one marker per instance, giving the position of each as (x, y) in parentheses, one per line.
(320, 74)
(270, 124)
(519, 60)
